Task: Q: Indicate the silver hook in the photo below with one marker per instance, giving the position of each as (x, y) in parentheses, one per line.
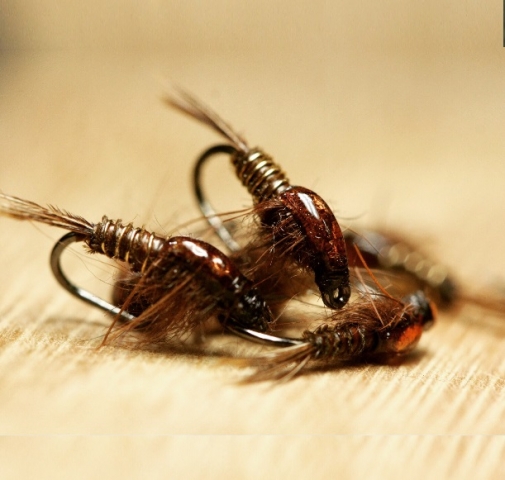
(205, 206)
(84, 295)
(264, 338)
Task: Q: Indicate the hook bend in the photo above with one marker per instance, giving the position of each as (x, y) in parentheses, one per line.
(205, 206)
(73, 289)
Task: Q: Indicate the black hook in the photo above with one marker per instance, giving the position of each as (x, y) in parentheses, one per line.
(205, 206)
(78, 292)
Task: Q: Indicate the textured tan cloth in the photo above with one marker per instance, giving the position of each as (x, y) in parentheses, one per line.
(393, 113)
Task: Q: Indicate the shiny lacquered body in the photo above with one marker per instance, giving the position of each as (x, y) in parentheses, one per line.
(295, 223)
(316, 242)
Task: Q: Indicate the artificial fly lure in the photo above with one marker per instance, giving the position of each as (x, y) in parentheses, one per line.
(396, 254)
(180, 282)
(295, 224)
(391, 253)
(380, 327)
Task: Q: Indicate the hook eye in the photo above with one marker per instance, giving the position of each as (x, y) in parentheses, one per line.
(205, 206)
(78, 292)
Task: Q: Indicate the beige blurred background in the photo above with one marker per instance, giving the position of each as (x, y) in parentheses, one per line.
(393, 111)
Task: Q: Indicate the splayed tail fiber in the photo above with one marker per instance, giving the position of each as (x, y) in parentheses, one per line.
(25, 210)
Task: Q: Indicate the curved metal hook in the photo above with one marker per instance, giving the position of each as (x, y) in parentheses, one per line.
(84, 295)
(264, 338)
(98, 302)
(205, 206)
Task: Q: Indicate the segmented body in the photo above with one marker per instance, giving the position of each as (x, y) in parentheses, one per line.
(127, 243)
(340, 343)
(258, 172)
(355, 341)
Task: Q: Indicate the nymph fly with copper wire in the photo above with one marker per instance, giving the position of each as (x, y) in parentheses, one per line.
(180, 282)
(378, 327)
(294, 223)
(395, 253)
